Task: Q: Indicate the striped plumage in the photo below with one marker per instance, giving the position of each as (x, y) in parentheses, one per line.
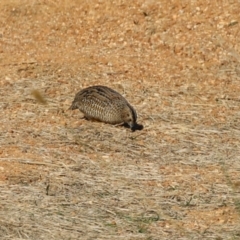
(104, 104)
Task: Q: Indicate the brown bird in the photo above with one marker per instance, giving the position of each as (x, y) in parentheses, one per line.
(106, 105)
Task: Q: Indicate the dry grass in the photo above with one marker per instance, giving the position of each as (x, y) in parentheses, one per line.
(178, 64)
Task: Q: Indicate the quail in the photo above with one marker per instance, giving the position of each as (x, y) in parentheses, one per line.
(104, 104)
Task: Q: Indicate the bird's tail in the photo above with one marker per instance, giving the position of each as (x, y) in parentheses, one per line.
(73, 106)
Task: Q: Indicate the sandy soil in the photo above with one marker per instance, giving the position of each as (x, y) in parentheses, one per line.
(177, 63)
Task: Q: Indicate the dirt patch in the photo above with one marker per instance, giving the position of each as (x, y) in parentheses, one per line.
(177, 63)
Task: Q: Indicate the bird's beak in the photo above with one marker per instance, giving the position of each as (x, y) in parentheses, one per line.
(135, 126)
(132, 126)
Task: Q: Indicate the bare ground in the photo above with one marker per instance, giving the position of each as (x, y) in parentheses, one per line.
(178, 63)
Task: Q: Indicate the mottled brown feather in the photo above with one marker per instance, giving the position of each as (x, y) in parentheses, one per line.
(105, 104)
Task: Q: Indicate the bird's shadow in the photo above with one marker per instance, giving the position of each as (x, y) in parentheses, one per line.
(134, 128)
